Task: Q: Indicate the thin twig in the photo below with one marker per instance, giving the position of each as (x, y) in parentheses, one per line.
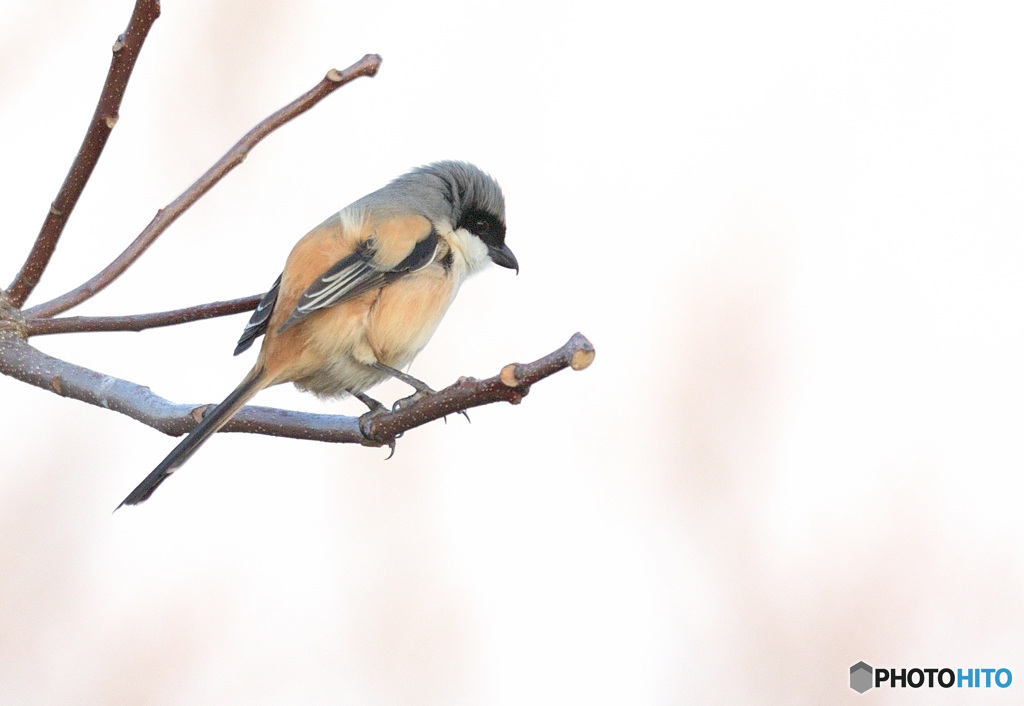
(367, 66)
(22, 361)
(126, 50)
(140, 322)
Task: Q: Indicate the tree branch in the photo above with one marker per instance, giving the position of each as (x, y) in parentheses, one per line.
(28, 364)
(24, 362)
(140, 322)
(512, 384)
(126, 51)
(367, 66)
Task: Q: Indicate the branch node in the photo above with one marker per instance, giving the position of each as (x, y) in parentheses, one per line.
(11, 318)
(334, 76)
(118, 44)
(110, 121)
(55, 384)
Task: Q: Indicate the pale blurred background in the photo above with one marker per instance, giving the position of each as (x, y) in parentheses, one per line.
(793, 232)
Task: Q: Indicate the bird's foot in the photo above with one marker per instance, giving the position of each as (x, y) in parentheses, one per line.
(375, 406)
(366, 419)
(407, 402)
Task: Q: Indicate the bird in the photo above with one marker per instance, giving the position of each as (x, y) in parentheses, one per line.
(362, 293)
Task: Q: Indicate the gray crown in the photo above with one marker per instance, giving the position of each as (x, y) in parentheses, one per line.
(439, 191)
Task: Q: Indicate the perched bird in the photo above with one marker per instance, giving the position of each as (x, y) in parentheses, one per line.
(363, 292)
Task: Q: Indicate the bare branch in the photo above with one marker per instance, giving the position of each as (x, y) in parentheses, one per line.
(140, 322)
(511, 385)
(126, 50)
(367, 66)
(24, 362)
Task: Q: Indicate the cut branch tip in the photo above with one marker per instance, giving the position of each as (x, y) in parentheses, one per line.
(508, 375)
(582, 352)
(581, 359)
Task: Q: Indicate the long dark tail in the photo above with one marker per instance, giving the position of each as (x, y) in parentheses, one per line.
(214, 420)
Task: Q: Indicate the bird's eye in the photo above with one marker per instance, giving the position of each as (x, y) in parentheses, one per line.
(483, 225)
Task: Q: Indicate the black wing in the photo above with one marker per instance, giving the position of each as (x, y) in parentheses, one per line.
(359, 273)
(257, 325)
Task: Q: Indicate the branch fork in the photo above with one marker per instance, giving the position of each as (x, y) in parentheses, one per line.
(22, 361)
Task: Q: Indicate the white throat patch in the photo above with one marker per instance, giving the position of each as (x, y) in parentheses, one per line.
(469, 249)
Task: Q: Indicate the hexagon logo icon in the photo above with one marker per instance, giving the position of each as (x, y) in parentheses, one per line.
(860, 677)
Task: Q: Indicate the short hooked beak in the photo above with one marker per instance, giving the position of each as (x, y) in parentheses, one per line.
(501, 255)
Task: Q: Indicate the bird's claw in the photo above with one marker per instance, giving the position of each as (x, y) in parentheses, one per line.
(364, 427)
(412, 399)
(463, 412)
